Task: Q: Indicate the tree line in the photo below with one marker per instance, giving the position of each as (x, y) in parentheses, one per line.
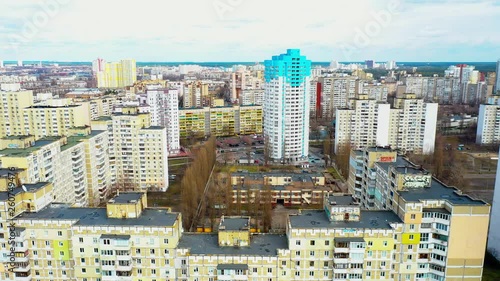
(194, 182)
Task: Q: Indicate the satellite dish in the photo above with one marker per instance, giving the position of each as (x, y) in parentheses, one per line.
(24, 188)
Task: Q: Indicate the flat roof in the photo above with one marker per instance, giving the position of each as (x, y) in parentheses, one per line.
(208, 244)
(98, 216)
(344, 200)
(17, 137)
(436, 210)
(368, 219)
(436, 191)
(154, 128)
(234, 223)
(52, 106)
(349, 239)
(127, 198)
(23, 152)
(115, 237)
(5, 195)
(232, 266)
(32, 187)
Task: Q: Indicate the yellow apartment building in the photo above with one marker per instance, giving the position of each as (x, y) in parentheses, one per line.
(250, 120)
(12, 104)
(138, 151)
(444, 234)
(42, 120)
(117, 74)
(127, 240)
(220, 121)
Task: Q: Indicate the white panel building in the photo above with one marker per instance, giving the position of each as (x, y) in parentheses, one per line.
(286, 106)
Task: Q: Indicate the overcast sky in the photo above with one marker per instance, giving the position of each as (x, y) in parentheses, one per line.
(249, 30)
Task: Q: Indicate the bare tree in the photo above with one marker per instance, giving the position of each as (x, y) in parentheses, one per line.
(342, 159)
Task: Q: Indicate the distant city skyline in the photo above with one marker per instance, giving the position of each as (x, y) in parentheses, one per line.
(230, 30)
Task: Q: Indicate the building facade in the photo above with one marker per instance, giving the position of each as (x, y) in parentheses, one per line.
(138, 151)
(286, 106)
(115, 74)
(409, 126)
(488, 123)
(220, 121)
(127, 240)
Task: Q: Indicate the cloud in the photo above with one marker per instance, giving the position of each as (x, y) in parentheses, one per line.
(250, 30)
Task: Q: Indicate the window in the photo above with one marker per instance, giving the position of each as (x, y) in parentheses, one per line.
(59, 233)
(165, 241)
(370, 243)
(106, 242)
(313, 243)
(139, 271)
(311, 273)
(311, 253)
(84, 270)
(80, 239)
(413, 216)
(269, 270)
(327, 242)
(283, 263)
(382, 273)
(385, 243)
(412, 227)
(297, 253)
(410, 247)
(311, 263)
(411, 236)
(297, 242)
(327, 253)
(82, 250)
(368, 274)
(297, 273)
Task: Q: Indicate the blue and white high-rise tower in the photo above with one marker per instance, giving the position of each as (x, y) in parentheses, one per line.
(286, 106)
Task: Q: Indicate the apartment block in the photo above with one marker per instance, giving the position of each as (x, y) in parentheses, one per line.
(336, 93)
(77, 166)
(60, 242)
(13, 102)
(194, 94)
(48, 120)
(251, 97)
(288, 189)
(451, 227)
(409, 126)
(164, 109)
(488, 122)
(287, 82)
(138, 151)
(424, 239)
(250, 120)
(116, 74)
(220, 121)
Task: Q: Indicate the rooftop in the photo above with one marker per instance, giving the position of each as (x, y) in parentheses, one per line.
(368, 219)
(127, 198)
(115, 237)
(154, 128)
(103, 118)
(437, 190)
(98, 216)
(208, 244)
(51, 106)
(24, 152)
(232, 266)
(344, 200)
(235, 223)
(16, 137)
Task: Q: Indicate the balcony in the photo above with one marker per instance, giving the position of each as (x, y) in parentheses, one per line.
(22, 267)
